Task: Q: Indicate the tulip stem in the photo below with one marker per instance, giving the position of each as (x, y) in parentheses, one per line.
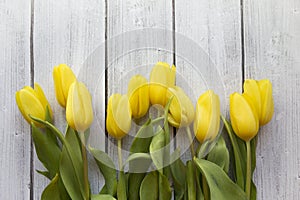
(248, 177)
(120, 154)
(85, 165)
(188, 130)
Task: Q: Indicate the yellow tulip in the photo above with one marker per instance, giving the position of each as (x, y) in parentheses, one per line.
(162, 77)
(138, 92)
(181, 111)
(207, 120)
(63, 77)
(33, 102)
(267, 103)
(244, 119)
(79, 111)
(118, 119)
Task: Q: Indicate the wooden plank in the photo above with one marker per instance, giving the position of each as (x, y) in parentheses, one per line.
(124, 16)
(215, 27)
(66, 32)
(272, 51)
(14, 74)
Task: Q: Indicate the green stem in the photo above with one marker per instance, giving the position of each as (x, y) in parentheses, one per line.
(188, 130)
(85, 166)
(205, 188)
(120, 154)
(248, 177)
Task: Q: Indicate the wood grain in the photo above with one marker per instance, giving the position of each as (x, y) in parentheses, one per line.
(14, 74)
(65, 32)
(272, 51)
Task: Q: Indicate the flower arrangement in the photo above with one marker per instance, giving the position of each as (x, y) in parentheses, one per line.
(209, 175)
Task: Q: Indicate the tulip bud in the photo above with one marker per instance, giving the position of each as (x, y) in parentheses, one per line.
(267, 103)
(243, 115)
(162, 77)
(181, 111)
(63, 77)
(79, 111)
(118, 119)
(138, 92)
(207, 119)
(33, 102)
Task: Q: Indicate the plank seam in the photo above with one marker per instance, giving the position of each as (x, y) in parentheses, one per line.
(242, 41)
(106, 68)
(32, 85)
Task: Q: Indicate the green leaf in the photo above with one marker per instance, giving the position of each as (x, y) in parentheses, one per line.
(102, 197)
(253, 144)
(164, 187)
(47, 151)
(191, 182)
(140, 162)
(48, 131)
(220, 155)
(134, 183)
(157, 149)
(107, 168)
(140, 144)
(51, 191)
(122, 187)
(44, 173)
(149, 187)
(142, 139)
(103, 190)
(240, 155)
(220, 185)
(178, 172)
(62, 190)
(71, 166)
(253, 191)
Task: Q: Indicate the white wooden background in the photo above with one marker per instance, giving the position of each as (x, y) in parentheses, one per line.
(245, 38)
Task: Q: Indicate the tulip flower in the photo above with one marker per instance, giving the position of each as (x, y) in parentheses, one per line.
(138, 92)
(267, 103)
(79, 111)
(162, 77)
(118, 121)
(181, 111)
(207, 119)
(243, 115)
(63, 77)
(32, 102)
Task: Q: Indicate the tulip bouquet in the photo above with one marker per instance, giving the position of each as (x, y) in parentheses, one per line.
(154, 169)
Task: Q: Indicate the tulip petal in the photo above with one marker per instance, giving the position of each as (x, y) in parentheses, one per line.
(251, 89)
(41, 96)
(29, 104)
(118, 121)
(63, 77)
(267, 111)
(80, 109)
(138, 93)
(162, 77)
(244, 119)
(207, 119)
(181, 108)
